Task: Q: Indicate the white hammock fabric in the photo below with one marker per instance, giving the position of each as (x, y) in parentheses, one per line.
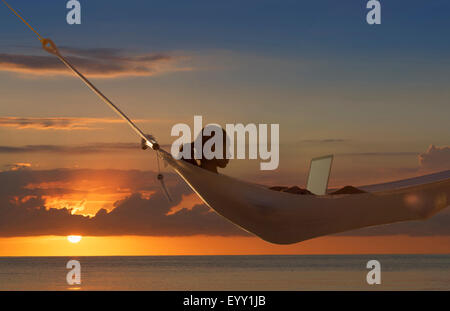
(284, 218)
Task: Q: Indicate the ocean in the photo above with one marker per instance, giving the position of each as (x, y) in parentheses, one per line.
(271, 272)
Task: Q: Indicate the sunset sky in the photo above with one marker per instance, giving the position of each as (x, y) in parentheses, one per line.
(376, 97)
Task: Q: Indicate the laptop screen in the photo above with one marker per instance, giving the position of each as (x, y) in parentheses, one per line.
(319, 174)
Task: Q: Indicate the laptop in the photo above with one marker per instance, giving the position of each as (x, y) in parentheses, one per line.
(319, 174)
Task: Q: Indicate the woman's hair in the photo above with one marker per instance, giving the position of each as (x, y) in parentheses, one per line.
(203, 137)
(209, 132)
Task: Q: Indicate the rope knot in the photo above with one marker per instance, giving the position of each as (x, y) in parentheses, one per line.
(49, 46)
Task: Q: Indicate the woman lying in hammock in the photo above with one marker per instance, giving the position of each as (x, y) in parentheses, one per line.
(214, 163)
(208, 164)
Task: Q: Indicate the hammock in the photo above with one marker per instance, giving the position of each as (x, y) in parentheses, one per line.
(285, 218)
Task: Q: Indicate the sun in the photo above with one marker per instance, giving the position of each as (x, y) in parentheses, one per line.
(74, 238)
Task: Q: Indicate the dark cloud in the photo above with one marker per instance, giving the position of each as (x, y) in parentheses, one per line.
(73, 149)
(387, 154)
(435, 158)
(59, 123)
(80, 149)
(23, 210)
(102, 63)
(139, 216)
(143, 210)
(325, 140)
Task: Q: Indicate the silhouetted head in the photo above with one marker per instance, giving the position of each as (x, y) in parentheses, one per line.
(214, 142)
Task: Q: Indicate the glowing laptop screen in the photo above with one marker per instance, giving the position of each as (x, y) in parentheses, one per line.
(319, 174)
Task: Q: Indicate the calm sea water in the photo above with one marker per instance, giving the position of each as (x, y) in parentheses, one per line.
(330, 272)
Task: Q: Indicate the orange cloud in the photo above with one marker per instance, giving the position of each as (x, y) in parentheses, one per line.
(18, 166)
(99, 63)
(81, 195)
(188, 202)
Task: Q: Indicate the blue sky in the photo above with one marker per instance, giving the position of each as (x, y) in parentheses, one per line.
(287, 27)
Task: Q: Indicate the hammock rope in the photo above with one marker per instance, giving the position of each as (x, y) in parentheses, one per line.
(23, 20)
(160, 178)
